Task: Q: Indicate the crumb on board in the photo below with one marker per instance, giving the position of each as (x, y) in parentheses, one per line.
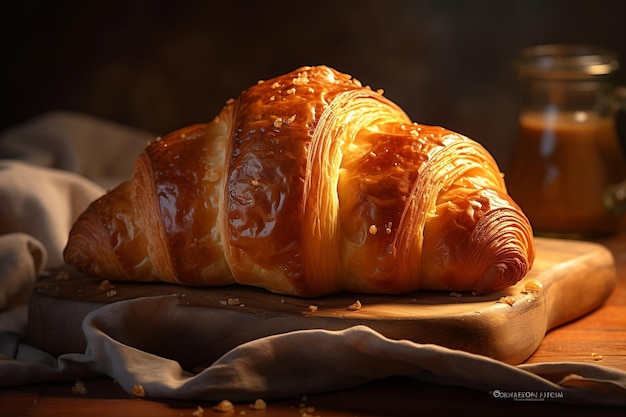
(507, 299)
(62, 275)
(456, 294)
(596, 357)
(259, 404)
(224, 406)
(532, 286)
(198, 411)
(79, 387)
(312, 308)
(111, 293)
(105, 285)
(233, 301)
(355, 306)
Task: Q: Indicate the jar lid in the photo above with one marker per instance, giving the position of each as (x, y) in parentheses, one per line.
(567, 61)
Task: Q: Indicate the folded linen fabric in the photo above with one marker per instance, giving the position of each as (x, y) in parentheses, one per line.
(51, 168)
(143, 342)
(99, 150)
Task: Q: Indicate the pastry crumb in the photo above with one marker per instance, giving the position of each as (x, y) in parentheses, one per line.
(138, 391)
(456, 294)
(312, 308)
(596, 357)
(224, 406)
(355, 306)
(62, 275)
(198, 411)
(532, 286)
(507, 300)
(79, 387)
(373, 229)
(111, 293)
(233, 301)
(105, 284)
(259, 404)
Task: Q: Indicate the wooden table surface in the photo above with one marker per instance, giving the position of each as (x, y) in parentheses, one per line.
(599, 337)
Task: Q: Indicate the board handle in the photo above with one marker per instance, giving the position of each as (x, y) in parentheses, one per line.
(571, 298)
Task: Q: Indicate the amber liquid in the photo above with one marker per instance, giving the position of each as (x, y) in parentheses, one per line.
(561, 169)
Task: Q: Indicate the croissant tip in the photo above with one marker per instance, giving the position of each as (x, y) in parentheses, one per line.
(78, 251)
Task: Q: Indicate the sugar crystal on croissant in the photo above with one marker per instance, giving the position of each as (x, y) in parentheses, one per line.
(310, 184)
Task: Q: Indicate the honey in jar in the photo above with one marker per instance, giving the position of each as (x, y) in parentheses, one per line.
(567, 153)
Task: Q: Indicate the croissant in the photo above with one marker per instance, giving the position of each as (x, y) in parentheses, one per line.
(309, 184)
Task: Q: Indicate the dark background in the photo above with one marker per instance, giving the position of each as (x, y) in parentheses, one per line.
(160, 65)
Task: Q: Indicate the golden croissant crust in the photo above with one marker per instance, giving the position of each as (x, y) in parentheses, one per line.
(310, 184)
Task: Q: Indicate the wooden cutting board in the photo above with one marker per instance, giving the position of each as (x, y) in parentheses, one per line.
(568, 280)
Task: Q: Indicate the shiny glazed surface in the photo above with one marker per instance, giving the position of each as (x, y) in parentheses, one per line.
(310, 184)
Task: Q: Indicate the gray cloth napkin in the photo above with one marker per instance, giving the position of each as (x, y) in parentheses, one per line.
(122, 339)
(145, 342)
(51, 168)
(99, 150)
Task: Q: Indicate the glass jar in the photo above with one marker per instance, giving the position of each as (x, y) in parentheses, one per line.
(567, 154)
